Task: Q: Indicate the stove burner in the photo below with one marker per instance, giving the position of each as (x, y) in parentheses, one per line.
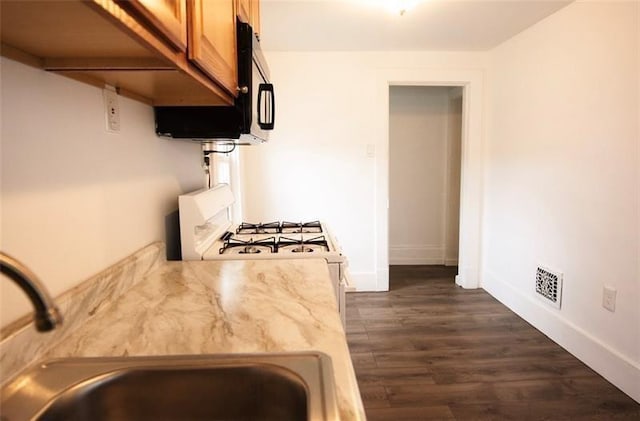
(302, 245)
(300, 227)
(248, 228)
(250, 250)
(302, 249)
(250, 247)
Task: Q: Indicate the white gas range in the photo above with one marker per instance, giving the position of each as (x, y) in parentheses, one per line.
(206, 233)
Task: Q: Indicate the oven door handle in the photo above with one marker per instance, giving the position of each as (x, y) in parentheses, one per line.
(268, 109)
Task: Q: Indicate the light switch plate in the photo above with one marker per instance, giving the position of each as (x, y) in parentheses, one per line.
(609, 298)
(371, 150)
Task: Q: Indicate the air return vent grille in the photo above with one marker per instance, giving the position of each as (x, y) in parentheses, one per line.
(549, 286)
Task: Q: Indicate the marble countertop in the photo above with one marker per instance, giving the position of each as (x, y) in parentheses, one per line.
(209, 307)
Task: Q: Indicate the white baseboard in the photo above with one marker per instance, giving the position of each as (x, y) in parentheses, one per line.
(404, 254)
(466, 279)
(382, 280)
(415, 261)
(370, 281)
(610, 364)
(364, 281)
(451, 262)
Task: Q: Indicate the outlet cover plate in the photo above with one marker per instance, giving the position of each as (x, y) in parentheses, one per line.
(111, 109)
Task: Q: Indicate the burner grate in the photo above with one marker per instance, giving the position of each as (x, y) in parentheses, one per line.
(301, 227)
(268, 245)
(249, 228)
(302, 245)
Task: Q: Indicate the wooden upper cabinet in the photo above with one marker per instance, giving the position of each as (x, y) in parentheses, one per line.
(244, 10)
(249, 12)
(163, 52)
(212, 40)
(168, 17)
(255, 16)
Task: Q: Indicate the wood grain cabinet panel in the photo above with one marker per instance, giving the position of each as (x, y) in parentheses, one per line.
(212, 40)
(168, 17)
(163, 52)
(249, 12)
(255, 16)
(244, 10)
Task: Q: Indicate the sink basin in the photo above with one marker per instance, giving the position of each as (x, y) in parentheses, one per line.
(296, 386)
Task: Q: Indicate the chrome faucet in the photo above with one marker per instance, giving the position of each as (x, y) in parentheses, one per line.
(47, 316)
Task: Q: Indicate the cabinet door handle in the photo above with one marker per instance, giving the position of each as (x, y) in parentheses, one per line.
(269, 106)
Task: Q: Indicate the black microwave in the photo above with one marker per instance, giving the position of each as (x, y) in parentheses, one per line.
(248, 121)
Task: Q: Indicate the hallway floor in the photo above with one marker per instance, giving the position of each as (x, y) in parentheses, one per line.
(428, 349)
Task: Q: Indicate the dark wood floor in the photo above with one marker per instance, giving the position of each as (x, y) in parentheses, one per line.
(430, 350)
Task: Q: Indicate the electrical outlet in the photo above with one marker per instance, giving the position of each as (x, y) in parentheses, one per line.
(111, 109)
(609, 298)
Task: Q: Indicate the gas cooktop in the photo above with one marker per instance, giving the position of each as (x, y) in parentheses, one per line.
(279, 227)
(275, 237)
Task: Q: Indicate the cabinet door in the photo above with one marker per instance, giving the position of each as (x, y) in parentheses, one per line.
(249, 12)
(212, 40)
(255, 16)
(244, 10)
(167, 16)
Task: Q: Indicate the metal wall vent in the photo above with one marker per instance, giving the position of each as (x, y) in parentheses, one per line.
(549, 286)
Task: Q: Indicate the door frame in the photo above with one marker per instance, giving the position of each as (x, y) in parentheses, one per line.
(471, 185)
(449, 161)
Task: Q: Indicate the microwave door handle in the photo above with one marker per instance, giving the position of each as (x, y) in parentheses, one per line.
(267, 123)
(273, 108)
(269, 108)
(259, 104)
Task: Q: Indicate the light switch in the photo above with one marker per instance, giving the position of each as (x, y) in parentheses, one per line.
(371, 150)
(609, 298)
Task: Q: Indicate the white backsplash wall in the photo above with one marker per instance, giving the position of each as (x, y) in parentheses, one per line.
(420, 167)
(75, 198)
(562, 186)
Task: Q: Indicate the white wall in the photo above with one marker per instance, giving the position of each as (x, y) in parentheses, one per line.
(562, 184)
(329, 106)
(420, 155)
(76, 199)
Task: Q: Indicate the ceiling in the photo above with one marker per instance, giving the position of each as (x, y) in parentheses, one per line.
(364, 25)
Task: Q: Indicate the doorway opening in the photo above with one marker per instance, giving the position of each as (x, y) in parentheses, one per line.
(425, 147)
(471, 80)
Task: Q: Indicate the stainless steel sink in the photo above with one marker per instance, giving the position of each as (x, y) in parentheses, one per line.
(297, 386)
